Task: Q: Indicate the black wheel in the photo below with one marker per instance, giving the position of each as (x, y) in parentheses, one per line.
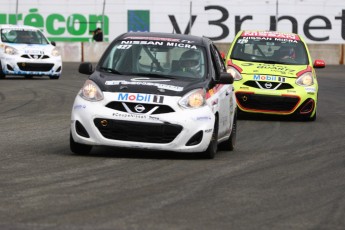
(2, 75)
(229, 144)
(313, 118)
(306, 117)
(28, 76)
(78, 148)
(241, 114)
(213, 146)
(54, 77)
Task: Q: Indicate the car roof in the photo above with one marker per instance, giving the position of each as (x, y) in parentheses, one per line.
(156, 36)
(268, 33)
(9, 26)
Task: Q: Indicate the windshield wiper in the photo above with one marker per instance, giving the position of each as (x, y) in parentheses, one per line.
(154, 75)
(110, 70)
(259, 60)
(272, 62)
(240, 59)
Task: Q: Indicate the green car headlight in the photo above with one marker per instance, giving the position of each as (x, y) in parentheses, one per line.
(305, 79)
(235, 74)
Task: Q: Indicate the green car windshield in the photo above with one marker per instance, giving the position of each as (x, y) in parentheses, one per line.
(256, 49)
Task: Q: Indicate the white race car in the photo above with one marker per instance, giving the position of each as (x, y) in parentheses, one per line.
(156, 91)
(25, 51)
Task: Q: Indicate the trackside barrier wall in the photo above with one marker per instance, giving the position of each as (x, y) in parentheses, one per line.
(332, 54)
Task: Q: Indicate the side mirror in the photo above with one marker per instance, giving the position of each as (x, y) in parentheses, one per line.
(225, 78)
(86, 68)
(223, 55)
(319, 64)
(53, 43)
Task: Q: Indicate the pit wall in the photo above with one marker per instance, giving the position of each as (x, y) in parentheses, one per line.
(332, 54)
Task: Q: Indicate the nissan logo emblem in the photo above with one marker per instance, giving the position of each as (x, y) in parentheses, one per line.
(104, 123)
(139, 108)
(268, 85)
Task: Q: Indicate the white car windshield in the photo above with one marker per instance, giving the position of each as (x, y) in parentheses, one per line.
(256, 49)
(23, 36)
(155, 58)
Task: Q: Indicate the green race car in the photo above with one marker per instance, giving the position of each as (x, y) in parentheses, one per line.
(274, 74)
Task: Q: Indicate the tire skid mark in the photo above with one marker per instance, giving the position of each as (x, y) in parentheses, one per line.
(42, 97)
(23, 104)
(2, 97)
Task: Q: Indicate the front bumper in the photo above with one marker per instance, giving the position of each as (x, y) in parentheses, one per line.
(181, 130)
(297, 101)
(27, 65)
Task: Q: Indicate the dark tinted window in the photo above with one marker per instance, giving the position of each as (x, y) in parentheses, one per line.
(262, 49)
(156, 57)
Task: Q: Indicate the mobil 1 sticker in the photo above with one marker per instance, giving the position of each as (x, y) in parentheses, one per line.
(139, 98)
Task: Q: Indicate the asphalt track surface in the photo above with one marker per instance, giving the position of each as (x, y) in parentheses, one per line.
(282, 175)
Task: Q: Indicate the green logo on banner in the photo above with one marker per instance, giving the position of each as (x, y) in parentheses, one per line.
(138, 20)
(59, 27)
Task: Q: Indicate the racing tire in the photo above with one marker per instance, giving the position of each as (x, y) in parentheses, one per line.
(306, 117)
(54, 77)
(313, 118)
(2, 75)
(213, 145)
(230, 143)
(241, 114)
(78, 148)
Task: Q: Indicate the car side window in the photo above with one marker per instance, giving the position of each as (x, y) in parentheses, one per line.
(217, 59)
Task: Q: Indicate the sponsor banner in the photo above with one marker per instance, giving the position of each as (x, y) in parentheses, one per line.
(268, 78)
(135, 116)
(270, 34)
(182, 44)
(310, 89)
(147, 82)
(139, 98)
(321, 21)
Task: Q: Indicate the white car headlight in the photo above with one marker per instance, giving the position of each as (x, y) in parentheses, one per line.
(10, 50)
(55, 52)
(236, 75)
(305, 79)
(194, 99)
(91, 92)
